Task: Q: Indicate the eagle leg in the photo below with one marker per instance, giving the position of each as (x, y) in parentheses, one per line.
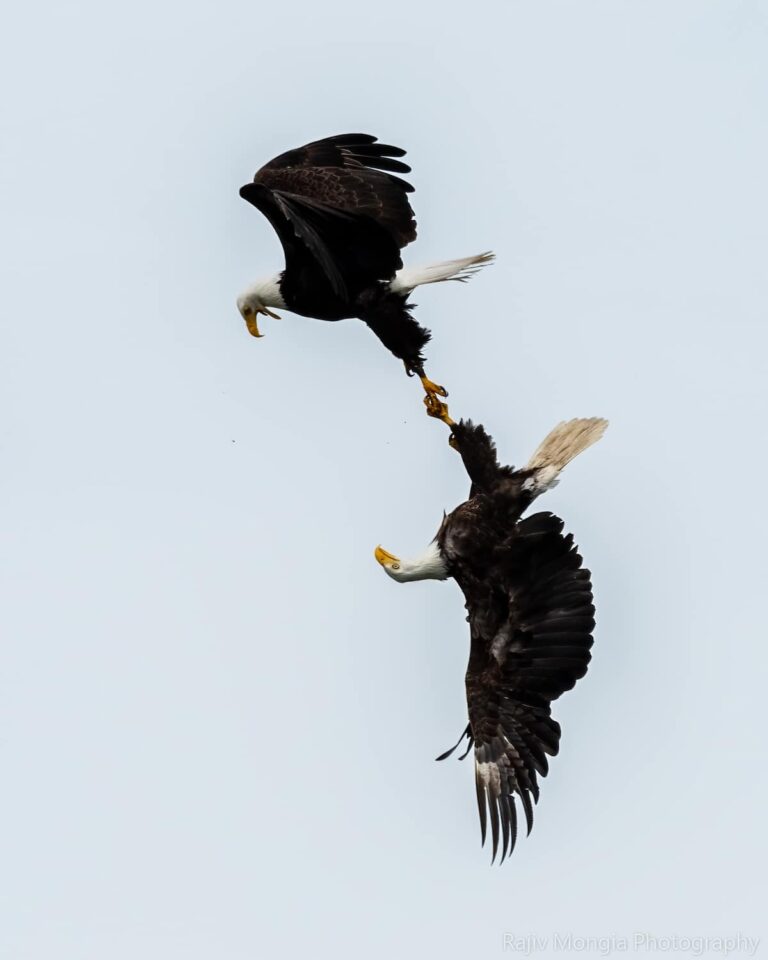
(430, 387)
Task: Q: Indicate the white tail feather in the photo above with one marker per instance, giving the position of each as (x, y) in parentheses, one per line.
(559, 447)
(462, 270)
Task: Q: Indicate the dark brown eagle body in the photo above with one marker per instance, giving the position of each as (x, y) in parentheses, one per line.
(531, 616)
(342, 217)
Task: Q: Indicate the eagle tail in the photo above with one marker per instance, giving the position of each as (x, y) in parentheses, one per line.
(560, 446)
(462, 270)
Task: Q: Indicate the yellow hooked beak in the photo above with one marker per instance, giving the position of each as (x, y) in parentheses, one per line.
(386, 559)
(250, 315)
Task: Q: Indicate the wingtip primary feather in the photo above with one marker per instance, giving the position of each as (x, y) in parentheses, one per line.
(481, 804)
(467, 732)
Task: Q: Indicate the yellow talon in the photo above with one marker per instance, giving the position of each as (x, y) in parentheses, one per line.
(437, 409)
(431, 388)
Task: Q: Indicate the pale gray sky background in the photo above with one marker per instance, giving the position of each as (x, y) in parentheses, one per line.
(218, 717)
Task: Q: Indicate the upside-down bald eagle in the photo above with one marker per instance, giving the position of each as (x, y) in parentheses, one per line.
(342, 218)
(530, 610)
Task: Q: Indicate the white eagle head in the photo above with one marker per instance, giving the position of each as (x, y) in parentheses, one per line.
(258, 298)
(430, 565)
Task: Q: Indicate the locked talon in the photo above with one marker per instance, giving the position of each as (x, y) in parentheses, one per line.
(432, 388)
(437, 409)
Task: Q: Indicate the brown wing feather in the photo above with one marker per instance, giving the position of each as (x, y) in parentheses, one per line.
(344, 150)
(347, 173)
(531, 618)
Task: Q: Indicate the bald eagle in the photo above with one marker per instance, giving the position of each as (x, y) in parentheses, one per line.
(529, 603)
(342, 217)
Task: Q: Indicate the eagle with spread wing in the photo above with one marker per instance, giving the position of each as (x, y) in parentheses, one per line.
(342, 215)
(530, 611)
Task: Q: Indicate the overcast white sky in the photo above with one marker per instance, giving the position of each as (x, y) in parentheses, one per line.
(218, 717)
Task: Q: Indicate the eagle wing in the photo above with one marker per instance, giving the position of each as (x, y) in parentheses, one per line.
(336, 202)
(531, 617)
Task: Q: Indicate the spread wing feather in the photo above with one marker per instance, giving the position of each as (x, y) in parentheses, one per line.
(531, 619)
(344, 150)
(336, 202)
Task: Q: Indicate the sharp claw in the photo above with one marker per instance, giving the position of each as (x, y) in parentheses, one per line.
(437, 409)
(432, 388)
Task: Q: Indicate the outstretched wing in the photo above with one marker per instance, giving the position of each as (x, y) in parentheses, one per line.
(531, 620)
(335, 201)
